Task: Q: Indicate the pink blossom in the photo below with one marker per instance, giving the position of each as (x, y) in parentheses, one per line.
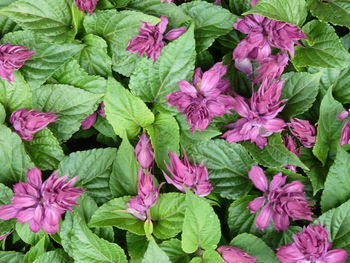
(272, 67)
(290, 144)
(169, 1)
(41, 204)
(12, 57)
(194, 177)
(259, 115)
(203, 100)
(343, 115)
(311, 245)
(147, 196)
(232, 254)
(150, 39)
(345, 133)
(304, 131)
(90, 120)
(87, 5)
(144, 152)
(27, 122)
(279, 202)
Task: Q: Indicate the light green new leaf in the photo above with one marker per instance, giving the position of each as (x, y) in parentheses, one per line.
(154, 254)
(71, 104)
(153, 81)
(165, 138)
(47, 59)
(201, 227)
(328, 128)
(123, 180)
(94, 58)
(117, 28)
(211, 22)
(323, 48)
(13, 158)
(44, 150)
(275, 154)
(211, 256)
(336, 11)
(49, 19)
(15, 95)
(228, 165)
(89, 248)
(125, 112)
(289, 11)
(55, 256)
(255, 247)
(337, 185)
(93, 168)
(300, 90)
(72, 74)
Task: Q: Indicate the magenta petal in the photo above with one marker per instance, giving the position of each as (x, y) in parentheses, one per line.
(264, 217)
(256, 174)
(34, 177)
(289, 254)
(336, 256)
(25, 215)
(175, 33)
(8, 212)
(277, 181)
(162, 24)
(281, 221)
(256, 204)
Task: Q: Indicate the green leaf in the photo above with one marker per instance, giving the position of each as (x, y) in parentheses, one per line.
(137, 246)
(336, 11)
(72, 74)
(123, 180)
(337, 185)
(323, 48)
(112, 214)
(72, 105)
(15, 95)
(165, 138)
(239, 6)
(89, 248)
(154, 254)
(5, 198)
(228, 165)
(48, 56)
(212, 256)
(55, 256)
(328, 128)
(176, 15)
(211, 22)
(11, 257)
(36, 251)
(277, 239)
(77, 17)
(7, 25)
(93, 168)
(120, 3)
(94, 58)
(275, 154)
(340, 86)
(2, 114)
(289, 11)
(13, 158)
(172, 248)
(255, 247)
(239, 219)
(337, 221)
(125, 112)
(117, 28)
(168, 215)
(300, 90)
(201, 227)
(29, 237)
(52, 20)
(44, 150)
(153, 81)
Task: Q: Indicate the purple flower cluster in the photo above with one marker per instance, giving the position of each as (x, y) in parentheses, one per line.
(90, 120)
(41, 204)
(87, 5)
(279, 202)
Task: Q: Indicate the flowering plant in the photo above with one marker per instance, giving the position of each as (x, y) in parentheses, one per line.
(173, 131)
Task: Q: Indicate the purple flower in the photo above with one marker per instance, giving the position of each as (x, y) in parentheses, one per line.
(27, 122)
(87, 5)
(194, 177)
(345, 133)
(290, 144)
(279, 202)
(12, 57)
(150, 39)
(90, 120)
(147, 196)
(272, 67)
(41, 204)
(144, 152)
(304, 131)
(232, 254)
(169, 1)
(203, 100)
(311, 245)
(259, 115)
